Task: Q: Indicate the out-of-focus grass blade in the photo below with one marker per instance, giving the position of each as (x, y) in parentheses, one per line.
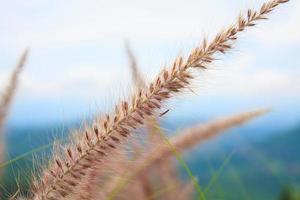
(125, 180)
(28, 153)
(216, 175)
(24, 155)
(240, 183)
(201, 195)
(220, 192)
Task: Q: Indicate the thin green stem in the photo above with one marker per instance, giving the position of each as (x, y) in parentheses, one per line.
(201, 195)
(216, 175)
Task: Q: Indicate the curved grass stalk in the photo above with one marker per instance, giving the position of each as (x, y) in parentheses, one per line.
(7, 96)
(175, 152)
(155, 133)
(137, 77)
(187, 139)
(6, 99)
(216, 175)
(198, 134)
(64, 173)
(91, 185)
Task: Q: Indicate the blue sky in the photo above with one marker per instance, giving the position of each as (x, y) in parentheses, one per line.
(78, 66)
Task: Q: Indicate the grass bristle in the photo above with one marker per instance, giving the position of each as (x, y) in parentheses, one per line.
(92, 148)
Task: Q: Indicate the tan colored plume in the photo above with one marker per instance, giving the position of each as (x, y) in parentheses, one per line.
(97, 142)
(185, 140)
(6, 100)
(200, 133)
(7, 96)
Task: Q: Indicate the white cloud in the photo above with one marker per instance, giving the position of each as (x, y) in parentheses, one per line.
(57, 24)
(240, 77)
(243, 78)
(81, 82)
(284, 29)
(98, 20)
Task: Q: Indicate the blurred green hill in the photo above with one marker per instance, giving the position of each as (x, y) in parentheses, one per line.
(258, 169)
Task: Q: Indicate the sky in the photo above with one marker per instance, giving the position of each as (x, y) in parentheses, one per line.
(78, 66)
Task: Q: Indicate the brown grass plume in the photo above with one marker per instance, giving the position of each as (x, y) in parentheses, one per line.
(106, 135)
(6, 100)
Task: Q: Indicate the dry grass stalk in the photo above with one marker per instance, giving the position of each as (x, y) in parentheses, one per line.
(7, 96)
(136, 75)
(6, 99)
(185, 140)
(98, 177)
(151, 122)
(200, 133)
(166, 172)
(90, 187)
(164, 175)
(59, 180)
